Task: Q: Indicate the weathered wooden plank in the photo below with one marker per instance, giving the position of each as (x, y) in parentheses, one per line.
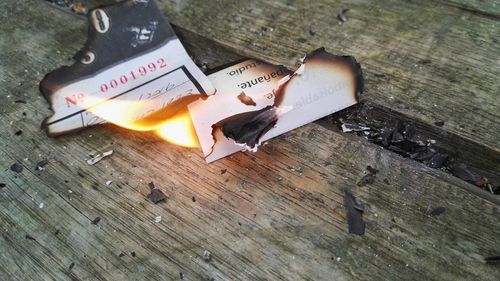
(483, 160)
(276, 214)
(426, 60)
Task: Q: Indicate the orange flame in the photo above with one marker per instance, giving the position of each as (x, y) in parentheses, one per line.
(175, 128)
(179, 130)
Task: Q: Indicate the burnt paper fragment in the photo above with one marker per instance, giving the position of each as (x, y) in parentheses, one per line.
(96, 221)
(40, 166)
(342, 16)
(257, 80)
(438, 211)
(322, 85)
(368, 178)
(354, 214)
(156, 196)
(246, 128)
(16, 167)
(131, 66)
(353, 127)
(492, 260)
(29, 237)
(461, 171)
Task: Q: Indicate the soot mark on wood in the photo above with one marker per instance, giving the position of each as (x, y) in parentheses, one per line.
(16, 167)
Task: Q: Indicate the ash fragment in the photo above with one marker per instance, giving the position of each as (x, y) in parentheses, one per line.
(40, 166)
(156, 196)
(2, 185)
(246, 99)
(151, 185)
(206, 256)
(18, 132)
(424, 61)
(353, 127)
(371, 170)
(439, 123)
(99, 157)
(401, 138)
(461, 171)
(437, 211)
(368, 178)
(246, 128)
(29, 237)
(96, 221)
(342, 17)
(437, 160)
(354, 214)
(16, 167)
(492, 260)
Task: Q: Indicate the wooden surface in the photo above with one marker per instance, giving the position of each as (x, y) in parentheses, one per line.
(272, 215)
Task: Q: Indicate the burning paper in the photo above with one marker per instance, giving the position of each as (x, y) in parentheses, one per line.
(280, 101)
(133, 72)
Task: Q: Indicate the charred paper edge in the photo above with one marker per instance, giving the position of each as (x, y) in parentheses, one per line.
(348, 61)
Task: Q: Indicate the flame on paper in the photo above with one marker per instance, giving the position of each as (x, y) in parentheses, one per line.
(176, 128)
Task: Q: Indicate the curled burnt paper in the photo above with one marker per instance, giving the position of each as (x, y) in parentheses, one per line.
(257, 80)
(132, 66)
(354, 214)
(247, 127)
(322, 85)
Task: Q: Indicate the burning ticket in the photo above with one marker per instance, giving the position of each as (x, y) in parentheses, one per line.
(256, 101)
(133, 72)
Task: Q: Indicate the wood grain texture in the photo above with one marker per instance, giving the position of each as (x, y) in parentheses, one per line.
(427, 60)
(276, 214)
(482, 7)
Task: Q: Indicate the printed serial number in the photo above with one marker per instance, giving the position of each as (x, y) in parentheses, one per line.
(133, 74)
